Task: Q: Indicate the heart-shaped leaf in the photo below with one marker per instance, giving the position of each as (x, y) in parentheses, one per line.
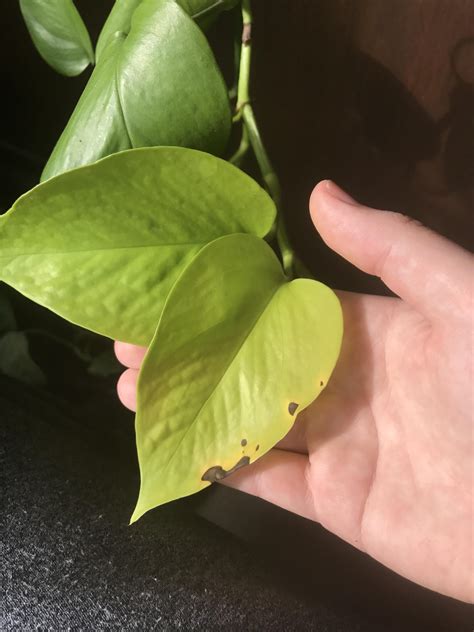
(156, 84)
(102, 245)
(59, 34)
(238, 352)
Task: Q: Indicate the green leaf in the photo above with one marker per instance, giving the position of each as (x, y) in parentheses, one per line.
(16, 361)
(120, 18)
(118, 21)
(157, 84)
(102, 245)
(238, 352)
(59, 34)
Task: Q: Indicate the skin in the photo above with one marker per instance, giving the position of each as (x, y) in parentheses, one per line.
(384, 457)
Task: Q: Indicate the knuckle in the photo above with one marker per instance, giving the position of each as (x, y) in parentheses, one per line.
(406, 220)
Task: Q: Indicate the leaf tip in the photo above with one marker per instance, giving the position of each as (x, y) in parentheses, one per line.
(137, 514)
(141, 508)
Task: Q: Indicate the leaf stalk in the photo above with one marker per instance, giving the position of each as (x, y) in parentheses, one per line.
(251, 135)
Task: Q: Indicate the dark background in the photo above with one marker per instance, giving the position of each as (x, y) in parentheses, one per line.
(375, 94)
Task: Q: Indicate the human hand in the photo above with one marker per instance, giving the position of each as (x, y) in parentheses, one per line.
(384, 457)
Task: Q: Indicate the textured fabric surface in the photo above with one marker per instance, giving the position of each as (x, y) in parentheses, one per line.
(69, 560)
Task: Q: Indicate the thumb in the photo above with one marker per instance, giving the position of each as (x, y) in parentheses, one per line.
(427, 270)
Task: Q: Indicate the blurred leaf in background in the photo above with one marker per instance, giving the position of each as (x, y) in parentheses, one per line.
(15, 357)
(105, 364)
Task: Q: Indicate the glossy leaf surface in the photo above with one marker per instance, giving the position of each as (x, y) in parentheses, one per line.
(157, 84)
(59, 34)
(237, 353)
(118, 21)
(103, 244)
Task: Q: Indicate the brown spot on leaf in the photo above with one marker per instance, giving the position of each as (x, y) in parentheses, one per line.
(257, 448)
(214, 474)
(321, 383)
(243, 443)
(217, 473)
(292, 407)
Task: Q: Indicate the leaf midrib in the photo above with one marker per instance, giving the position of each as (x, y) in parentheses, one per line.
(119, 96)
(101, 249)
(211, 394)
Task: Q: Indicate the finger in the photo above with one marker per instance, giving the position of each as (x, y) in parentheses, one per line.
(129, 355)
(427, 270)
(280, 478)
(127, 389)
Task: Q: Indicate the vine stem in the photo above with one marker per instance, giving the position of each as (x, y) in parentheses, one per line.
(242, 150)
(251, 133)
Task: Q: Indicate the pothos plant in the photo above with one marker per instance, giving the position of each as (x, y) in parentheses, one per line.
(142, 232)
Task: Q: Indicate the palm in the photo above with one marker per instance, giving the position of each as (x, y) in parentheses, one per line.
(383, 458)
(383, 462)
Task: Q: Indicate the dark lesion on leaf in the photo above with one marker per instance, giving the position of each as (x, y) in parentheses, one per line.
(217, 473)
(292, 408)
(243, 443)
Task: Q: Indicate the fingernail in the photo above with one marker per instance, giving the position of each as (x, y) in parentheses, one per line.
(338, 193)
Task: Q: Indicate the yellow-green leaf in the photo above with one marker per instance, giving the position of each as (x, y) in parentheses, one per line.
(238, 352)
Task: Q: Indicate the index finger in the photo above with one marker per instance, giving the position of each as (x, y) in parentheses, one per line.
(129, 355)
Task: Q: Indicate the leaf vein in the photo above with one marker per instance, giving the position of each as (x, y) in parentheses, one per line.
(211, 394)
(101, 249)
(120, 105)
